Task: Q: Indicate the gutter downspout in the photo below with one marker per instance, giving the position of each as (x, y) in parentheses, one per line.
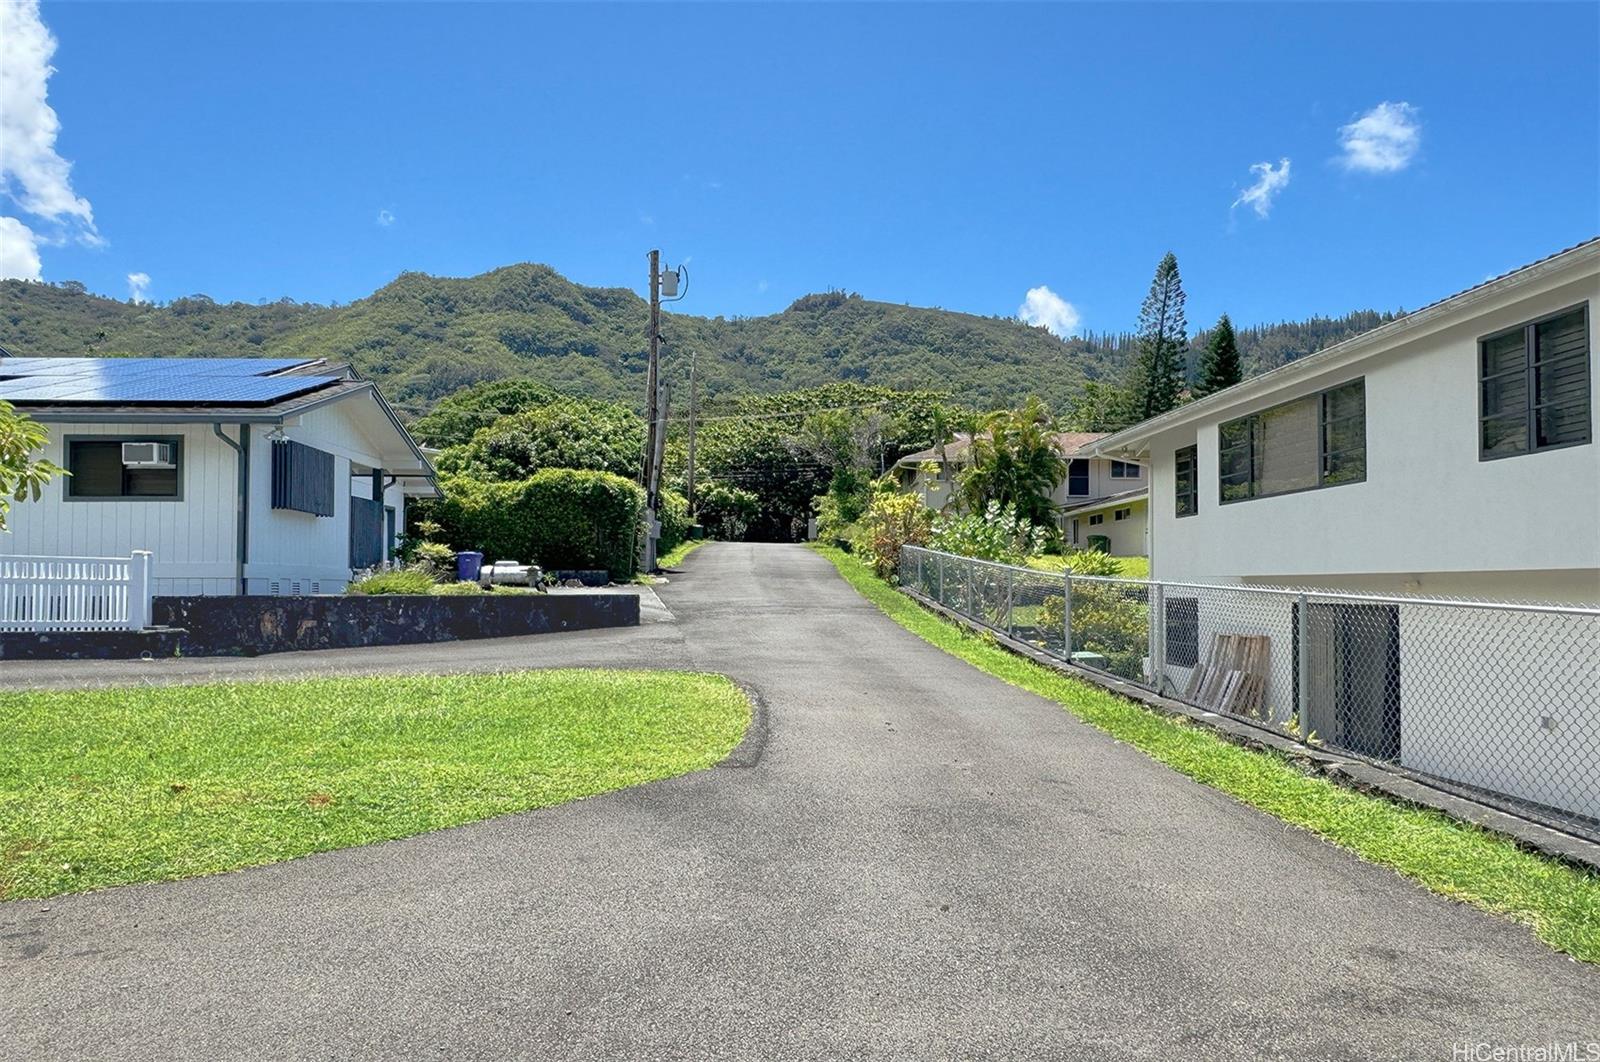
(242, 507)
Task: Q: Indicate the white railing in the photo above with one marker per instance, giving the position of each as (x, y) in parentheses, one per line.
(75, 593)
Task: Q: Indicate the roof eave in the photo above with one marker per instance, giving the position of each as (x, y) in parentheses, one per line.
(1350, 351)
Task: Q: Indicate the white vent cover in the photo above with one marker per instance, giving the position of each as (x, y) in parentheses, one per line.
(147, 455)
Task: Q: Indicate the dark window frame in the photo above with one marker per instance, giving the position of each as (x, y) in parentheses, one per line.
(1096, 519)
(1122, 514)
(1249, 444)
(1192, 494)
(176, 441)
(1078, 471)
(1531, 407)
(1129, 470)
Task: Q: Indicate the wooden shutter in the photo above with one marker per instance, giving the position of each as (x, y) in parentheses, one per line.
(302, 478)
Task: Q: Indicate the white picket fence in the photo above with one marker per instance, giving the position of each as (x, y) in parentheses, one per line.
(75, 593)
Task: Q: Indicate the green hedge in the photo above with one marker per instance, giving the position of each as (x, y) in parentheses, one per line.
(675, 522)
(559, 518)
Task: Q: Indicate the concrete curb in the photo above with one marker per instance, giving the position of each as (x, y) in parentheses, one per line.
(1357, 774)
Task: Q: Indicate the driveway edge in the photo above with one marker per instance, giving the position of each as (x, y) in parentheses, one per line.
(1352, 773)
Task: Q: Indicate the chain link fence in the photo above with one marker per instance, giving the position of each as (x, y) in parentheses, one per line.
(1497, 700)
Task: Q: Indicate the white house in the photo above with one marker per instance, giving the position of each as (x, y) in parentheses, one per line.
(1101, 501)
(239, 475)
(1449, 453)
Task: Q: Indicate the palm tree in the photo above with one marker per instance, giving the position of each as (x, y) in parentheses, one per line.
(1015, 463)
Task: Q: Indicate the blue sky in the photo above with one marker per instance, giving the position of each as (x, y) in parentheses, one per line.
(948, 155)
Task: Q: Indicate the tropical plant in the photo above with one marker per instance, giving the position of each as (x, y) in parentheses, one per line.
(892, 522)
(999, 533)
(23, 474)
(1015, 464)
(434, 557)
(1090, 562)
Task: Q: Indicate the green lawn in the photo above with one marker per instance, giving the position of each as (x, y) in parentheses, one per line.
(1132, 567)
(1559, 902)
(107, 787)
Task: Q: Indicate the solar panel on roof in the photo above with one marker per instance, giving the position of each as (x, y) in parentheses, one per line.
(154, 381)
(125, 367)
(200, 390)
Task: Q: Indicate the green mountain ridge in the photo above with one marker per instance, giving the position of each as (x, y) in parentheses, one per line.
(422, 337)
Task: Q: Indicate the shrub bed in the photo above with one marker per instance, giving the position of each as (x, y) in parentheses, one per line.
(558, 518)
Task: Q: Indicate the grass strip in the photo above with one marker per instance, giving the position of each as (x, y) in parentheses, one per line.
(1561, 903)
(108, 787)
(674, 556)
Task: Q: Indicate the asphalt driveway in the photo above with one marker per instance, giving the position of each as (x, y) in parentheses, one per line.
(920, 862)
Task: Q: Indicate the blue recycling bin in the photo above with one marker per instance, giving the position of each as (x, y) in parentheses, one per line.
(468, 565)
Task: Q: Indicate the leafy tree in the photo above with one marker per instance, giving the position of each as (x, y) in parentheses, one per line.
(460, 416)
(726, 512)
(851, 442)
(22, 474)
(1220, 367)
(1156, 382)
(565, 433)
(1015, 464)
(786, 449)
(1099, 406)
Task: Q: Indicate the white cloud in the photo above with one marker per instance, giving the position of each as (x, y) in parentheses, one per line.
(1042, 306)
(139, 287)
(1269, 182)
(385, 218)
(1384, 140)
(762, 285)
(19, 251)
(32, 175)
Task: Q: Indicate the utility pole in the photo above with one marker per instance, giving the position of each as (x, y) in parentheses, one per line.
(650, 383)
(688, 485)
(652, 407)
(655, 443)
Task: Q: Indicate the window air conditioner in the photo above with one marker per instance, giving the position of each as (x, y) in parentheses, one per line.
(147, 455)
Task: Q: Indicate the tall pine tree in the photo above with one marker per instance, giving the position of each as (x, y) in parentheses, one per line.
(1156, 382)
(1220, 366)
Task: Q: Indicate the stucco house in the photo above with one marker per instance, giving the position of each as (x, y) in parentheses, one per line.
(239, 475)
(1101, 501)
(1448, 454)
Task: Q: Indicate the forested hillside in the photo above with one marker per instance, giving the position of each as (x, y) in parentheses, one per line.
(423, 337)
(1261, 347)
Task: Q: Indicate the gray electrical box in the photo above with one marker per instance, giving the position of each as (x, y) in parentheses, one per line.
(669, 284)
